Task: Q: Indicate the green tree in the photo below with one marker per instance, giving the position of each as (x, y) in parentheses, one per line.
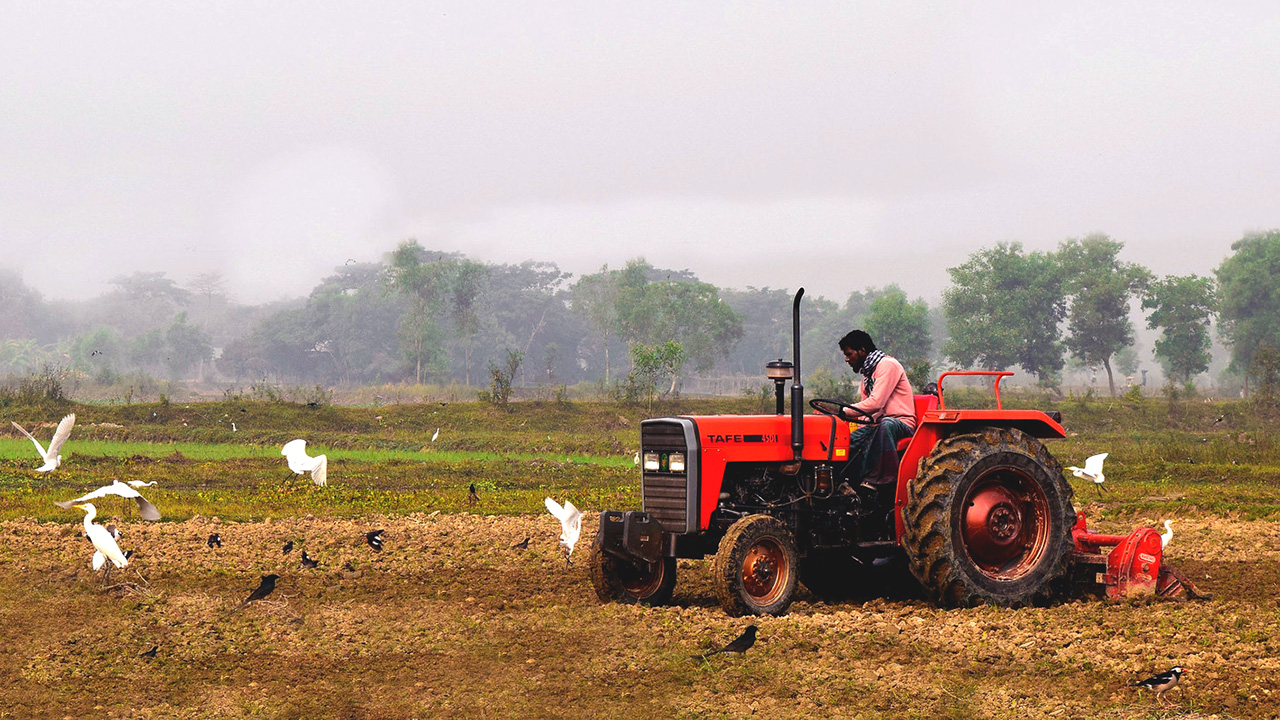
(186, 346)
(651, 364)
(688, 312)
(766, 328)
(901, 328)
(98, 350)
(427, 284)
(1181, 308)
(1249, 297)
(25, 313)
(1101, 287)
(595, 296)
(466, 284)
(1003, 309)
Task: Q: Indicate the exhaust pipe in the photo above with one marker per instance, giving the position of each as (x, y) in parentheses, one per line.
(797, 387)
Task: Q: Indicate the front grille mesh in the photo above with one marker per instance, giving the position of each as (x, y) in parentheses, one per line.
(665, 494)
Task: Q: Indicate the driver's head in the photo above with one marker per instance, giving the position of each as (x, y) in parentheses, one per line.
(856, 346)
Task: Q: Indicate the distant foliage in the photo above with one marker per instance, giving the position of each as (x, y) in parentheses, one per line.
(1248, 301)
(654, 366)
(1181, 308)
(499, 392)
(1003, 309)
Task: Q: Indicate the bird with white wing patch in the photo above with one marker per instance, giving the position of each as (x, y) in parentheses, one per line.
(145, 508)
(50, 456)
(570, 524)
(1092, 470)
(295, 452)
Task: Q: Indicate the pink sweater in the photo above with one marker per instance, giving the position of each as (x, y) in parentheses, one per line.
(891, 394)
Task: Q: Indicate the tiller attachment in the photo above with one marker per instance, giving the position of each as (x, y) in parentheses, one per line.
(1135, 566)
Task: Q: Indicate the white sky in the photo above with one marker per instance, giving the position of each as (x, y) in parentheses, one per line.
(832, 145)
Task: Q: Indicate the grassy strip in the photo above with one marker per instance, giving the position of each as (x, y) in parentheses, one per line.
(18, 451)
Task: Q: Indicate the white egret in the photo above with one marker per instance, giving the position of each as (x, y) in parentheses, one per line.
(51, 457)
(1092, 470)
(1167, 535)
(295, 451)
(570, 523)
(435, 435)
(145, 509)
(101, 539)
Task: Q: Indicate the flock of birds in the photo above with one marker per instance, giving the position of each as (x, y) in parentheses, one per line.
(106, 546)
(105, 539)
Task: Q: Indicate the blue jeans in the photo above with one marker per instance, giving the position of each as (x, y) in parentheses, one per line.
(878, 445)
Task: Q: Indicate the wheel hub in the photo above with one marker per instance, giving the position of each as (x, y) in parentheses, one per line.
(993, 526)
(760, 570)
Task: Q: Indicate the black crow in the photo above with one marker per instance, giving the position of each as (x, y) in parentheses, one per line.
(264, 589)
(740, 645)
(215, 540)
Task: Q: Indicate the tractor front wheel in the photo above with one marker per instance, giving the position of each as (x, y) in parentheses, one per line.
(617, 580)
(755, 569)
(988, 520)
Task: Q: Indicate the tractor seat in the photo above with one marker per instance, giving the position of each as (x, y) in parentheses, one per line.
(923, 403)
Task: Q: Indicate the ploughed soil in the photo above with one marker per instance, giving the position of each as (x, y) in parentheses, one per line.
(449, 620)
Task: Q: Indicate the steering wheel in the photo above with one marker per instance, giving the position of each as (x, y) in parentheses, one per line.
(836, 409)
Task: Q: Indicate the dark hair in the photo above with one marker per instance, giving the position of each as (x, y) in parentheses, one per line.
(857, 340)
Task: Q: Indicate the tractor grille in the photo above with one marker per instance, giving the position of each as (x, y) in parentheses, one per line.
(670, 496)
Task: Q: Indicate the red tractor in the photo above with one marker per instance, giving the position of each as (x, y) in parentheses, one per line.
(981, 511)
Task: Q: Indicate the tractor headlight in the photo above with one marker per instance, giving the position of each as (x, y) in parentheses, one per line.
(651, 461)
(676, 463)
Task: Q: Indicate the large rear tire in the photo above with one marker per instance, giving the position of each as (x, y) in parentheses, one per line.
(617, 580)
(988, 519)
(755, 569)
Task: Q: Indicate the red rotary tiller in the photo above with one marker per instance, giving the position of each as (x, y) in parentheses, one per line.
(1135, 566)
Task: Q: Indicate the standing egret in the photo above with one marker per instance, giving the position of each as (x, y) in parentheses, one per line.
(1167, 535)
(295, 451)
(1092, 470)
(51, 457)
(570, 523)
(101, 539)
(145, 508)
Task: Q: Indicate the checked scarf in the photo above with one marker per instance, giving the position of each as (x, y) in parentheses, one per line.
(868, 367)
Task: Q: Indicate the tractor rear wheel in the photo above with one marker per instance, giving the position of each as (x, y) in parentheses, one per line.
(755, 569)
(616, 580)
(988, 519)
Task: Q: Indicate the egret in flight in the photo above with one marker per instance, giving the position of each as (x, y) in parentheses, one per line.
(51, 457)
(295, 451)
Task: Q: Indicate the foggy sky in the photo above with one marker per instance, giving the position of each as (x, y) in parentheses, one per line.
(831, 145)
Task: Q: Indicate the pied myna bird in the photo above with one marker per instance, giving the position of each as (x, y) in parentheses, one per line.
(374, 539)
(1162, 683)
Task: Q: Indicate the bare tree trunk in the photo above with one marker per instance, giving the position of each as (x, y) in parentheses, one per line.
(1111, 381)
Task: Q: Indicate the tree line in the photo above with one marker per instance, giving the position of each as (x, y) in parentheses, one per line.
(426, 316)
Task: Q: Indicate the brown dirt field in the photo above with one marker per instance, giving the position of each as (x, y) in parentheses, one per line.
(449, 620)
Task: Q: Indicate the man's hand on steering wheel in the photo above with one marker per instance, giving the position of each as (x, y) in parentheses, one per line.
(842, 410)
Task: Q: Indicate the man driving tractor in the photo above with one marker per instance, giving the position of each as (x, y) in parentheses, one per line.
(887, 406)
